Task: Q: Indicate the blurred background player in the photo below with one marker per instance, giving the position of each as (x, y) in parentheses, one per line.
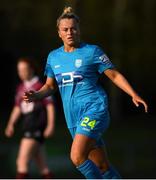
(76, 67)
(37, 119)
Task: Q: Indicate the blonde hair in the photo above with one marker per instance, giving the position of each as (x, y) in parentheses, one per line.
(68, 13)
(68, 10)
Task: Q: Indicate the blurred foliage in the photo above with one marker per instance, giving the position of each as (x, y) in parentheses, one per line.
(125, 29)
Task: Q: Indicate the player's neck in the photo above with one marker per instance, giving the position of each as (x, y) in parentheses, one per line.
(71, 48)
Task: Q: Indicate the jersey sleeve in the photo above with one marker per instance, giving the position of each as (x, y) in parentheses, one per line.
(48, 68)
(17, 99)
(102, 60)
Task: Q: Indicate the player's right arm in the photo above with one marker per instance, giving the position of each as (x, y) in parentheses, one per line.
(46, 90)
(15, 114)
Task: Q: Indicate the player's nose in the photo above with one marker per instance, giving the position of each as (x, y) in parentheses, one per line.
(69, 32)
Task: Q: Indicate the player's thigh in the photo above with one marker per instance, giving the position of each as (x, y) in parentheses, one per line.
(81, 147)
(28, 147)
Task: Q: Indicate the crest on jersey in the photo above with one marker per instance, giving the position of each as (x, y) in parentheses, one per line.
(104, 58)
(78, 63)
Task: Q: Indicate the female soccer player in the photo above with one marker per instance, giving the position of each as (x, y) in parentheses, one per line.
(76, 67)
(38, 121)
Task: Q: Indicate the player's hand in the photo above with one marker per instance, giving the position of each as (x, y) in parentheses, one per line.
(9, 131)
(48, 132)
(29, 96)
(138, 100)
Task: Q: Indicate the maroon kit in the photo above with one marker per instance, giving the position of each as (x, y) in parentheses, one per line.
(33, 114)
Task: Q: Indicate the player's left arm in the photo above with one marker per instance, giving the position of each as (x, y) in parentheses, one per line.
(118, 79)
(49, 130)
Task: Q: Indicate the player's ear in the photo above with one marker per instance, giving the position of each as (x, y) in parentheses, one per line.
(59, 33)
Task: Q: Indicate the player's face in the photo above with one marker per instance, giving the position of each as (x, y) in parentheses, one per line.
(69, 32)
(24, 71)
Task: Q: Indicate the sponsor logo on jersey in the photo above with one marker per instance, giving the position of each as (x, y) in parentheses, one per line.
(78, 63)
(69, 78)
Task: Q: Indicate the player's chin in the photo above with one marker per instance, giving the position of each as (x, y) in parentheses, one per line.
(71, 42)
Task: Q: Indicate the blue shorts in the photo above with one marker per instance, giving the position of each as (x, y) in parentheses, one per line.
(92, 126)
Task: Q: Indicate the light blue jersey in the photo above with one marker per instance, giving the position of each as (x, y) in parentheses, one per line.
(77, 73)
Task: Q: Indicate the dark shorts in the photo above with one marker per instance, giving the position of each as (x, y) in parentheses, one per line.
(34, 134)
(33, 126)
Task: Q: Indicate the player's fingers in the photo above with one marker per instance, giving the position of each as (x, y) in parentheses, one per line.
(145, 106)
(46, 135)
(28, 94)
(8, 133)
(31, 92)
(142, 102)
(26, 98)
(136, 103)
